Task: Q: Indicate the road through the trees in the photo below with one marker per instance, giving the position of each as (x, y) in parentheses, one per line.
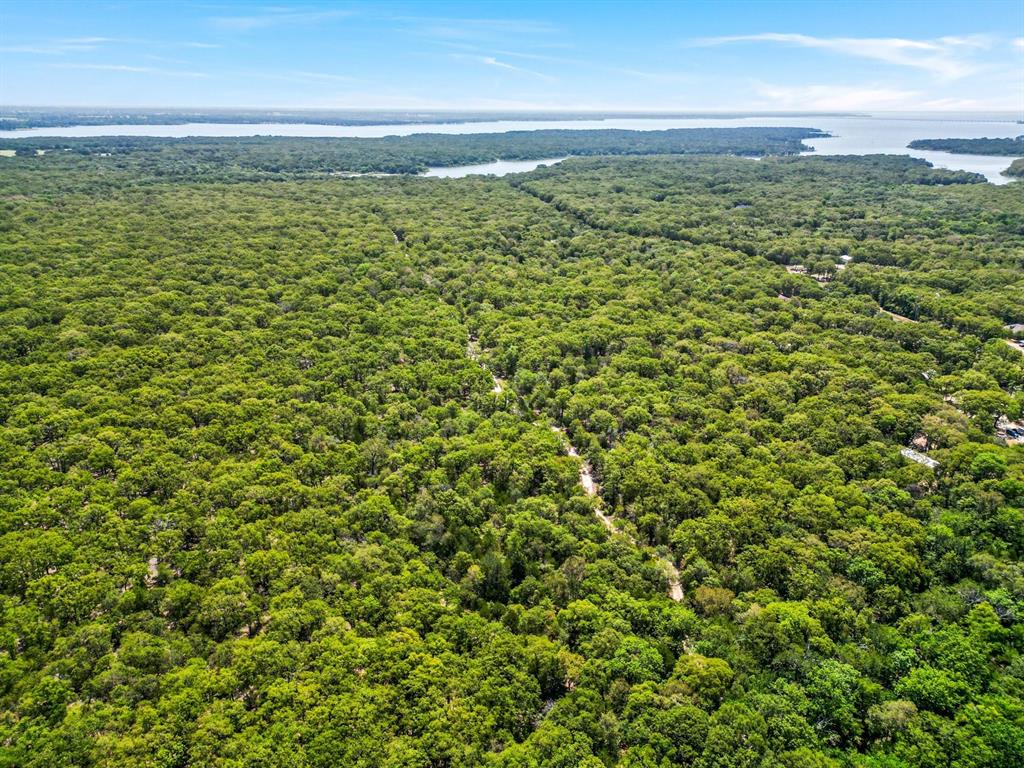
(587, 482)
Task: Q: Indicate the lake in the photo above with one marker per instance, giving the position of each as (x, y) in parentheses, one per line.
(497, 168)
(876, 133)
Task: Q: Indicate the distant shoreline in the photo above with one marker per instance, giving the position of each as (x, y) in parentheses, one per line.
(13, 118)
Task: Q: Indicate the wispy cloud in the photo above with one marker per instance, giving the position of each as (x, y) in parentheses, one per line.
(491, 61)
(831, 98)
(274, 17)
(664, 78)
(85, 40)
(542, 57)
(59, 46)
(660, 77)
(944, 57)
(839, 98)
(1018, 42)
(474, 29)
(491, 50)
(72, 45)
(105, 67)
(322, 76)
(129, 68)
(163, 59)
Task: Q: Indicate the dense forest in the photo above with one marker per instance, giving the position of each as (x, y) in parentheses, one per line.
(924, 244)
(255, 157)
(287, 477)
(1008, 147)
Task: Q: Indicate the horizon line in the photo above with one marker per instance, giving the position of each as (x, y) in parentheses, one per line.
(524, 110)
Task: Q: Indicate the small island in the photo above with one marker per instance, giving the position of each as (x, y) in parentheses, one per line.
(1007, 147)
(1016, 169)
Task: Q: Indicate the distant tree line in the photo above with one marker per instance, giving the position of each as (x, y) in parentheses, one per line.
(1008, 147)
(13, 118)
(248, 157)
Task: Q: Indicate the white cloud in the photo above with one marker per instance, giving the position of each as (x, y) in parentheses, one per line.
(831, 98)
(871, 97)
(491, 61)
(1018, 42)
(944, 57)
(321, 76)
(275, 17)
(105, 67)
(474, 29)
(543, 57)
(71, 45)
(86, 40)
(58, 47)
(132, 69)
(969, 41)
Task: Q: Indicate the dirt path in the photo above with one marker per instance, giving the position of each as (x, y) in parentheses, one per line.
(587, 482)
(473, 353)
(591, 488)
(894, 316)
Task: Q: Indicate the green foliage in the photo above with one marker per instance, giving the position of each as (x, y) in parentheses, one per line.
(985, 146)
(154, 159)
(261, 508)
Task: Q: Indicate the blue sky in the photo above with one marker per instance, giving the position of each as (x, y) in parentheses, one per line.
(523, 55)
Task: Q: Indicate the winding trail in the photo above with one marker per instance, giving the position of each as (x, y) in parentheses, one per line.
(894, 316)
(473, 353)
(587, 482)
(592, 489)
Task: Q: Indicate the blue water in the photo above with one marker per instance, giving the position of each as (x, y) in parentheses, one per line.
(877, 133)
(497, 168)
